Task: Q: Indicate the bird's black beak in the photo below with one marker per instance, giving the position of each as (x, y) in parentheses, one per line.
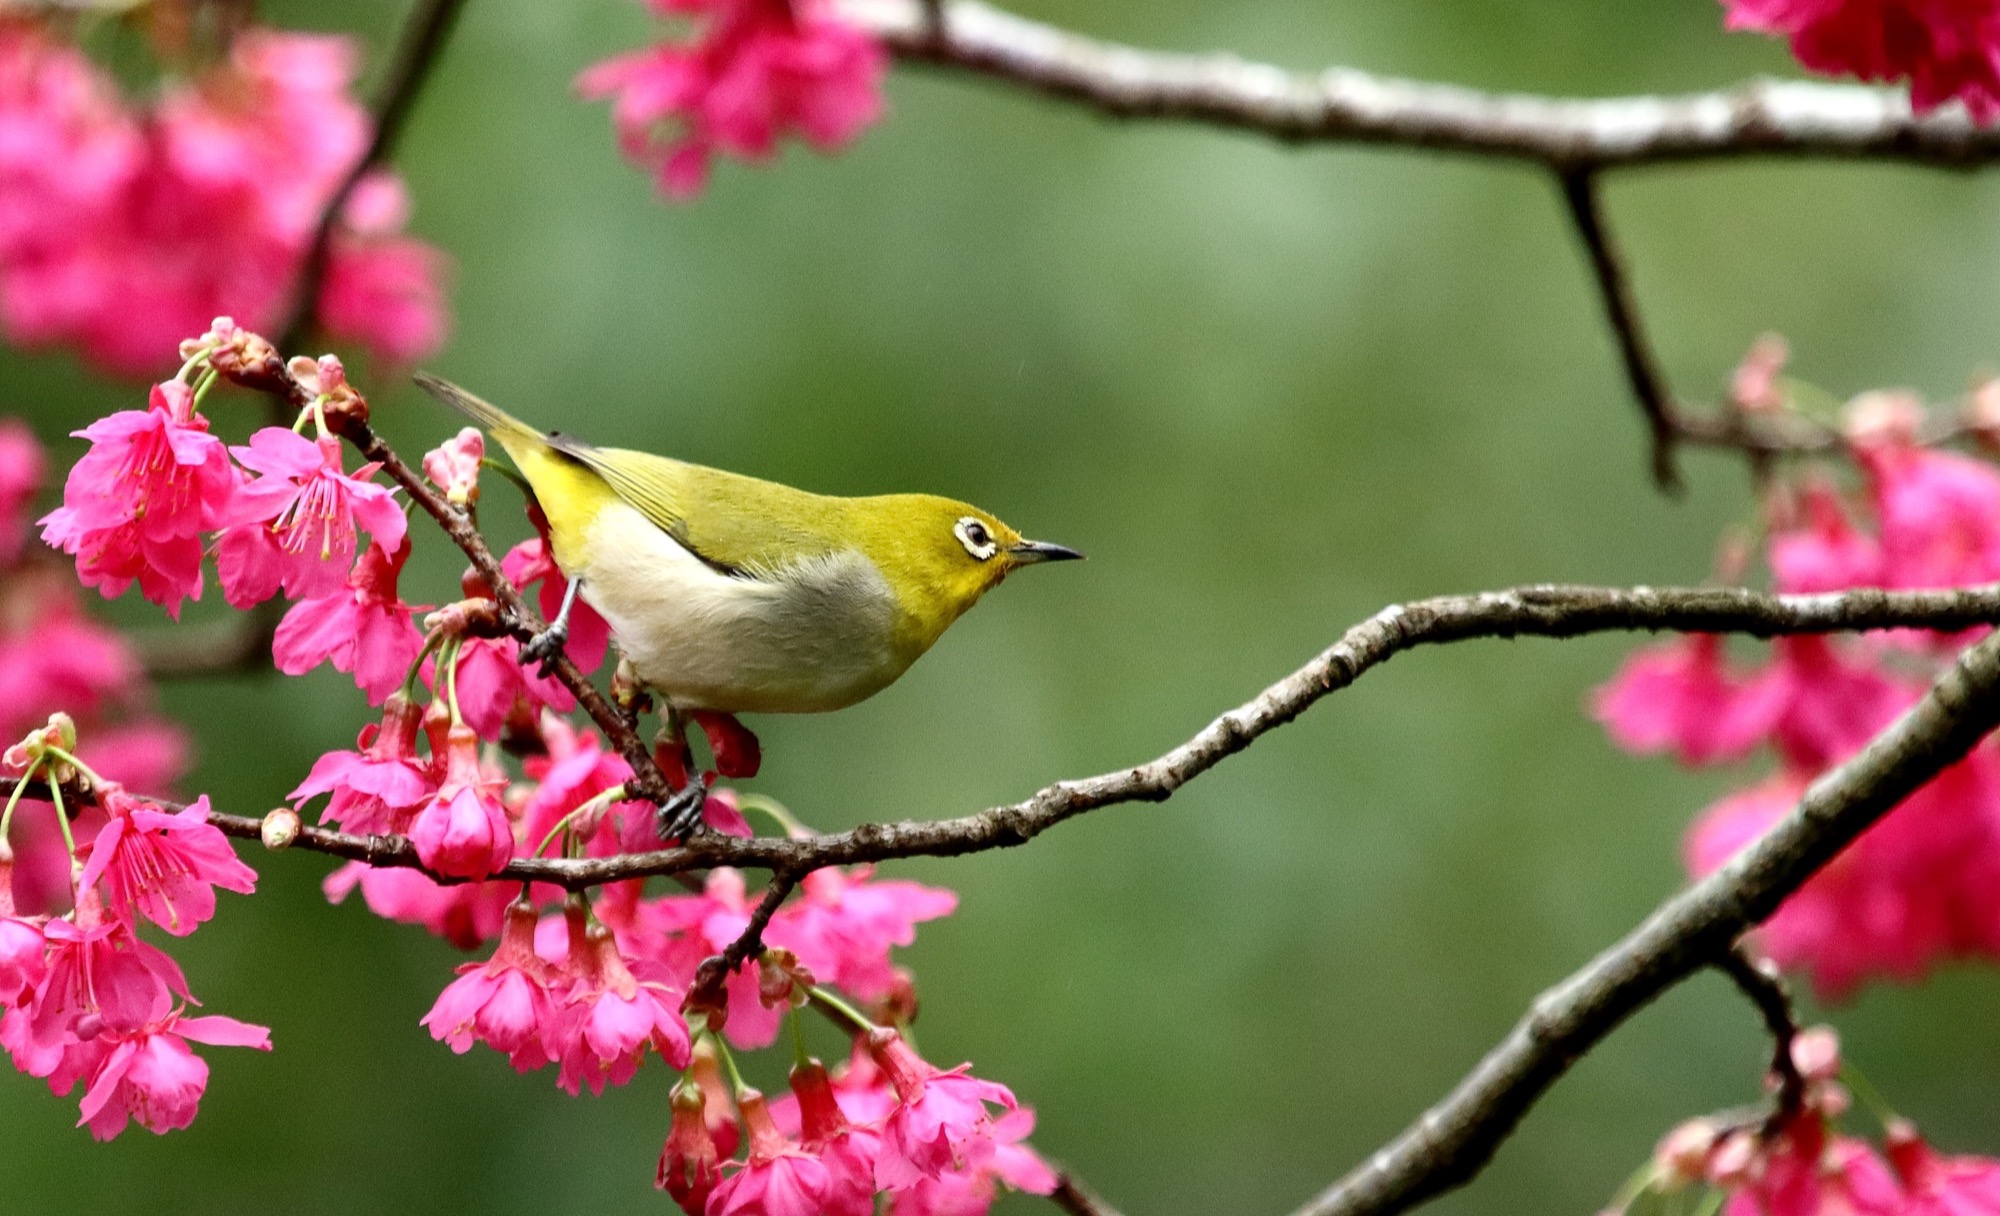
(1028, 552)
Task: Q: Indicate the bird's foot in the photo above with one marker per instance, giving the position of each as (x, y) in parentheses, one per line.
(546, 647)
(681, 814)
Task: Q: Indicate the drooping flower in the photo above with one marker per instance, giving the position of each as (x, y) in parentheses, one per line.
(295, 527)
(98, 978)
(464, 914)
(576, 769)
(1826, 553)
(493, 686)
(152, 1077)
(778, 1179)
(1946, 49)
(1941, 1186)
(504, 1002)
(463, 830)
(845, 924)
(1682, 696)
(1811, 1172)
(849, 1152)
(1938, 513)
(610, 1017)
(162, 866)
(689, 1163)
(940, 1124)
(970, 1191)
(364, 628)
(758, 71)
(135, 505)
(374, 789)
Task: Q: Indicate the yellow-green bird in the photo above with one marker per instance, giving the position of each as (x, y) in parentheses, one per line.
(733, 594)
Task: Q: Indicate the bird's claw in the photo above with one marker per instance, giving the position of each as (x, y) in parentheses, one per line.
(546, 647)
(681, 814)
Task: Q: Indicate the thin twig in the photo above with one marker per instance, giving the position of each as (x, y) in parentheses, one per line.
(422, 40)
(1539, 611)
(1453, 1140)
(706, 990)
(1758, 979)
(1077, 1199)
(1343, 105)
(1621, 311)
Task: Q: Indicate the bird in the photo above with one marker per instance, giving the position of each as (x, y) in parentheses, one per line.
(729, 594)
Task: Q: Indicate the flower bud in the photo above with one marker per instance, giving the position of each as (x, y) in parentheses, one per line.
(280, 828)
(453, 466)
(1883, 417)
(1754, 387)
(782, 979)
(1816, 1053)
(1682, 1156)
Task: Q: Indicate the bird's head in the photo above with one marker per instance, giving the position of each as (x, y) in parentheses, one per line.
(940, 556)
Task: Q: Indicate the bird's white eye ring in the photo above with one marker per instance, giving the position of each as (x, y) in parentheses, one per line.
(977, 539)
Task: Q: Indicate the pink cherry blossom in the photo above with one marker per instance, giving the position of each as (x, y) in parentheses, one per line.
(374, 789)
(1946, 50)
(21, 468)
(1835, 700)
(124, 229)
(99, 979)
(453, 467)
(464, 830)
(493, 686)
(1939, 515)
(576, 769)
(845, 924)
(54, 656)
(1682, 696)
(295, 527)
(1941, 1186)
(940, 1123)
(529, 563)
(135, 505)
(464, 914)
(849, 1152)
(778, 1179)
(154, 1079)
(758, 70)
(970, 1191)
(23, 952)
(610, 1016)
(364, 628)
(1826, 553)
(1814, 1173)
(160, 866)
(504, 1002)
(679, 931)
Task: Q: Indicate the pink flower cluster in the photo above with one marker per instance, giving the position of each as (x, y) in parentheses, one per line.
(1924, 883)
(82, 996)
(1946, 49)
(1804, 1167)
(758, 70)
(55, 657)
(125, 226)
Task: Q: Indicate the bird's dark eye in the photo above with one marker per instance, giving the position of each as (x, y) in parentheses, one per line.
(976, 537)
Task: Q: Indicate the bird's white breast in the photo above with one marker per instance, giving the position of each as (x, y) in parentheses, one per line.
(816, 635)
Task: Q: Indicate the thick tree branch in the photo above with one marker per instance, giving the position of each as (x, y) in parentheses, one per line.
(1453, 1140)
(1538, 611)
(1342, 105)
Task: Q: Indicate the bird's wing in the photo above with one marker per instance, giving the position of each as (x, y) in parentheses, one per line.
(738, 525)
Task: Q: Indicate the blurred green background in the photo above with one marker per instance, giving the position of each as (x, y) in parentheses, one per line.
(1268, 390)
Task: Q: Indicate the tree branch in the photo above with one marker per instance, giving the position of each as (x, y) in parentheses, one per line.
(1077, 1199)
(1537, 611)
(706, 990)
(1642, 369)
(1453, 1140)
(1343, 105)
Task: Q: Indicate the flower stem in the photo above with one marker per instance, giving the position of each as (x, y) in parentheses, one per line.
(1870, 1096)
(62, 821)
(616, 793)
(1634, 1186)
(208, 381)
(195, 360)
(800, 1056)
(14, 799)
(736, 1086)
(527, 490)
(450, 661)
(855, 1018)
(775, 810)
(69, 758)
(431, 643)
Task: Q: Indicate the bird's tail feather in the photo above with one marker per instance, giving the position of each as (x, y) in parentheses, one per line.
(502, 424)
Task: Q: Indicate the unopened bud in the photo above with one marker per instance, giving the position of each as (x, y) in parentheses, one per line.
(1682, 1156)
(1884, 417)
(782, 979)
(63, 728)
(1754, 387)
(280, 828)
(1816, 1053)
(1734, 1159)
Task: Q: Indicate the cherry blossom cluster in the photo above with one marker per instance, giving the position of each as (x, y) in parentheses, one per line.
(1796, 1162)
(125, 225)
(753, 72)
(1946, 49)
(1889, 511)
(476, 761)
(85, 998)
(53, 656)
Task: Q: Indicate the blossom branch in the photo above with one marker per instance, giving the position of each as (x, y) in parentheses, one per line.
(1451, 1142)
(1343, 105)
(706, 991)
(1077, 1199)
(1758, 979)
(1550, 611)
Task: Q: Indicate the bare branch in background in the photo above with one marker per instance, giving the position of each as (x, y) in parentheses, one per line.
(1343, 105)
(1453, 1140)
